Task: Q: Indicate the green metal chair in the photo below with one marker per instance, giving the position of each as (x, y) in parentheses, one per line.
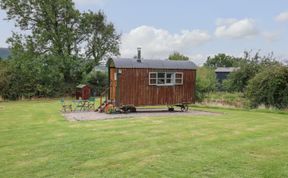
(79, 105)
(91, 103)
(65, 106)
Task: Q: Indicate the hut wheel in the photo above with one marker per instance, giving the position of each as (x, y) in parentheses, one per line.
(127, 109)
(131, 109)
(184, 108)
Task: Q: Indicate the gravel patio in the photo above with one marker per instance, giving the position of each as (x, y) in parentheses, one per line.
(141, 113)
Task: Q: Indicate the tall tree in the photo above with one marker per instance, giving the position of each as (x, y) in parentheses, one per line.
(50, 24)
(55, 36)
(56, 27)
(101, 39)
(176, 56)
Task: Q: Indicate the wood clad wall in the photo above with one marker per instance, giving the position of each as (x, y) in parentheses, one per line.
(134, 88)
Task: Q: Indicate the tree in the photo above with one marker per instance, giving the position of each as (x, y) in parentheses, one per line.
(53, 24)
(21, 80)
(269, 87)
(250, 65)
(100, 36)
(4, 79)
(222, 60)
(176, 56)
(238, 80)
(52, 30)
(62, 44)
(56, 28)
(205, 82)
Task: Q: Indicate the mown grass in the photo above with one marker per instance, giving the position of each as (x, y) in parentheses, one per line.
(36, 141)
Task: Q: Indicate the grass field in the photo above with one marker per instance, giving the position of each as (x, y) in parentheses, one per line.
(36, 141)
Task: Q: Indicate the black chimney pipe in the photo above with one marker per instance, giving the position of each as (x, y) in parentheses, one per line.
(139, 54)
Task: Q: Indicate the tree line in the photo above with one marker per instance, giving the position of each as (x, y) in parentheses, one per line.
(56, 48)
(262, 79)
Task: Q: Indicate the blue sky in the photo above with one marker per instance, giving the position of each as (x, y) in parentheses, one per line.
(195, 28)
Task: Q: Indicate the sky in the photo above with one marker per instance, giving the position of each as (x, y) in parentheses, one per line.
(197, 29)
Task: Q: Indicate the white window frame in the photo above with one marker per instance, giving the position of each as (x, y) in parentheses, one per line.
(178, 78)
(173, 78)
(153, 78)
(163, 78)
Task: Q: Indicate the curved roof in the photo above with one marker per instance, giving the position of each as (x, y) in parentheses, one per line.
(151, 64)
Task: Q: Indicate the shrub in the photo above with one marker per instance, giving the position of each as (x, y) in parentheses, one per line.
(4, 77)
(269, 87)
(32, 77)
(238, 80)
(205, 82)
(250, 65)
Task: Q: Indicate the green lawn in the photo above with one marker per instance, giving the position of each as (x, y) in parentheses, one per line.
(36, 141)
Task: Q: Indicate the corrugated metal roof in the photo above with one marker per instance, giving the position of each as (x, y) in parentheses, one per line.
(152, 64)
(227, 69)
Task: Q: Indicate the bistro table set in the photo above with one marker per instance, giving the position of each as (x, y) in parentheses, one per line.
(78, 105)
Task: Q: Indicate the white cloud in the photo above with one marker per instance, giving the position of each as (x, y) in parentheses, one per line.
(282, 17)
(159, 43)
(233, 28)
(271, 36)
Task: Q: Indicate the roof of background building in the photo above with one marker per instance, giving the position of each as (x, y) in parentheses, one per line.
(227, 69)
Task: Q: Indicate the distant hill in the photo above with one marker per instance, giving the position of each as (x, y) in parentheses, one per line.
(4, 53)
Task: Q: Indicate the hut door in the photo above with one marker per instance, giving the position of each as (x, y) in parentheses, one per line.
(113, 83)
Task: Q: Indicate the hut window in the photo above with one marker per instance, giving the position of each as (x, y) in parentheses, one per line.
(161, 78)
(170, 78)
(165, 78)
(179, 78)
(152, 78)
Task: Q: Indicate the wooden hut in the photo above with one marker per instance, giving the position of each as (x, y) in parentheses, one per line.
(144, 82)
(83, 92)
